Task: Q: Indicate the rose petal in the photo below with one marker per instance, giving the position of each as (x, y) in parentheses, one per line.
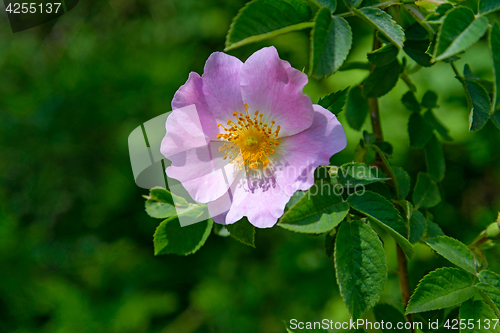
(263, 203)
(203, 172)
(298, 155)
(217, 94)
(184, 132)
(219, 208)
(273, 87)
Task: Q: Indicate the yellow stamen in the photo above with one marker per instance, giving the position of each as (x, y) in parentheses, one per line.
(249, 141)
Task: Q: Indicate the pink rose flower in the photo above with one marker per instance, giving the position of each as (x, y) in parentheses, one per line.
(243, 137)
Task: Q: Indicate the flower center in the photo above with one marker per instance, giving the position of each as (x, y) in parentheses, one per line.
(250, 141)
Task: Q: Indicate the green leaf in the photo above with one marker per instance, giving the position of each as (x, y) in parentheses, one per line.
(381, 80)
(459, 31)
(433, 229)
(490, 289)
(442, 288)
(170, 237)
(455, 251)
(347, 66)
(331, 40)
(353, 174)
(318, 211)
(384, 23)
(491, 295)
(263, 19)
(418, 226)
(356, 108)
(481, 105)
(419, 130)
(417, 50)
(388, 314)
(410, 102)
(352, 3)
(429, 100)
(487, 6)
(243, 231)
(381, 211)
(494, 42)
(426, 193)
(160, 205)
(434, 158)
(331, 4)
(490, 277)
(360, 266)
(220, 230)
(403, 179)
(335, 101)
(480, 313)
(495, 118)
(438, 126)
(383, 56)
(330, 243)
(385, 147)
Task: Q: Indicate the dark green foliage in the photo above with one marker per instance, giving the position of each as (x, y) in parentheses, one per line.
(381, 80)
(356, 108)
(243, 231)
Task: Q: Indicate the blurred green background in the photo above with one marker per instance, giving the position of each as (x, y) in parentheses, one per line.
(76, 251)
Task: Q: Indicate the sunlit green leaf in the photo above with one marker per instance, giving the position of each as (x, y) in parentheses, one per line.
(382, 212)
(160, 204)
(331, 40)
(331, 4)
(479, 313)
(459, 31)
(170, 237)
(433, 229)
(360, 266)
(488, 6)
(384, 23)
(318, 211)
(442, 288)
(455, 251)
(263, 19)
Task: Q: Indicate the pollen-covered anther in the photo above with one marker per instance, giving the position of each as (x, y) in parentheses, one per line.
(250, 137)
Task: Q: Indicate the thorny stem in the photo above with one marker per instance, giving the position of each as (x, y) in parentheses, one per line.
(402, 261)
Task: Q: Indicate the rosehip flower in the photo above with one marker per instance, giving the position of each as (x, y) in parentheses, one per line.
(243, 137)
